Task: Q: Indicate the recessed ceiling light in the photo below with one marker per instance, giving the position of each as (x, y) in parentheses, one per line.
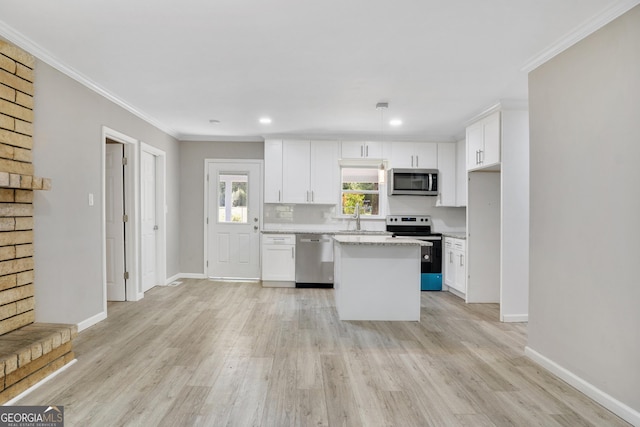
(214, 121)
(265, 120)
(395, 122)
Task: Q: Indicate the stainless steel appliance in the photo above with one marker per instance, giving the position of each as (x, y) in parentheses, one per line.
(412, 182)
(314, 261)
(419, 227)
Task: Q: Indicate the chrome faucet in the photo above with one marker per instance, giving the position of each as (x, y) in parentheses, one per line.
(356, 215)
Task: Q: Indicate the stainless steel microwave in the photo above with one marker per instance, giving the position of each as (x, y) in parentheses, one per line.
(412, 182)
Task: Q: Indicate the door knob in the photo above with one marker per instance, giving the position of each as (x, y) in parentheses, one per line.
(155, 227)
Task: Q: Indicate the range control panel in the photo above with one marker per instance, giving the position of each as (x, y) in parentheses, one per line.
(409, 220)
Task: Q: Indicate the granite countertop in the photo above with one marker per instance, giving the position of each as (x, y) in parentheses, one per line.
(381, 240)
(331, 232)
(455, 234)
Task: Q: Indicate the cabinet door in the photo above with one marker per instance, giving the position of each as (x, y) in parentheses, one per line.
(278, 262)
(272, 171)
(352, 149)
(295, 171)
(461, 173)
(460, 258)
(475, 144)
(324, 170)
(373, 150)
(426, 155)
(491, 150)
(449, 264)
(447, 174)
(402, 155)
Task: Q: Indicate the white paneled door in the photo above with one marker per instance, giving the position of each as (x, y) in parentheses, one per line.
(114, 218)
(149, 222)
(233, 219)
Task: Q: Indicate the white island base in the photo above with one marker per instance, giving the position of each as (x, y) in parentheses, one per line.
(377, 281)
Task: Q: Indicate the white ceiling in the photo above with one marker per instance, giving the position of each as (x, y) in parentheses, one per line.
(317, 68)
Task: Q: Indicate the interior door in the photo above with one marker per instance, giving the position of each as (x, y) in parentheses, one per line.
(233, 214)
(149, 222)
(114, 212)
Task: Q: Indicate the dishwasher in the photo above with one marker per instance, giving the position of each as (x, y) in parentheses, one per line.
(314, 261)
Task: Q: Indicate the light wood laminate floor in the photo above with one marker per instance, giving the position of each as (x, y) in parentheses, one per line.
(212, 354)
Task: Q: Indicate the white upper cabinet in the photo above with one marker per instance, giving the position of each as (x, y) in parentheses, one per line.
(361, 150)
(296, 180)
(300, 171)
(272, 171)
(483, 142)
(422, 155)
(446, 162)
(324, 172)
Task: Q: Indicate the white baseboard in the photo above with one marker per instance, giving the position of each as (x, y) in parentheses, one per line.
(91, 321)
(191, 276)
(455, 292)
(38, 384)
(172, 279)
(514, 318)
(620, 409)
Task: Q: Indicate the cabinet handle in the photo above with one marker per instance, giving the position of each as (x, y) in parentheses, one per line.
(481, 156)
(366, 150)
(411, 161)
(417, 161)
(312, 196)
(279, 195)
(307, 196)
(362, 151)
(293, 252)
(461, 262)
(450, 257)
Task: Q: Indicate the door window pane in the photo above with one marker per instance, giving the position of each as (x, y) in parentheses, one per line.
(232, 197)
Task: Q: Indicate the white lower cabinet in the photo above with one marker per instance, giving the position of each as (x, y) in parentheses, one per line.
(455, 264)
(279, 260)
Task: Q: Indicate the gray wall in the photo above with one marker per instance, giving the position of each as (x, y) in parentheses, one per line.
(192, 157)
(585, 205)
(67, 148)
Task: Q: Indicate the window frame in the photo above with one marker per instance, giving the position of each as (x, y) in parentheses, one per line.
(381, 192)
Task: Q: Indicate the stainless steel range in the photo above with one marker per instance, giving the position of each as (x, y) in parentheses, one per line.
(419, 227)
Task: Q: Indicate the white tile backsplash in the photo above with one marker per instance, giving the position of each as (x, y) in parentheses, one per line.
(323, 217)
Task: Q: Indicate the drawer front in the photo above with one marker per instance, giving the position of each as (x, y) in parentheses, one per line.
(278, 239)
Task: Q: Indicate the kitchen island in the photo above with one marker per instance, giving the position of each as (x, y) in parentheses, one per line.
(377, 277)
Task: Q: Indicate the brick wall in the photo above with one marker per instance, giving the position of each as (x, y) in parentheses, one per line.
(17, 184)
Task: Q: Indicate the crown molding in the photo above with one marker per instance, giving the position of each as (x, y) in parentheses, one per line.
(585, 29)
(219, 138)
(45, 56)
(501, 105)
